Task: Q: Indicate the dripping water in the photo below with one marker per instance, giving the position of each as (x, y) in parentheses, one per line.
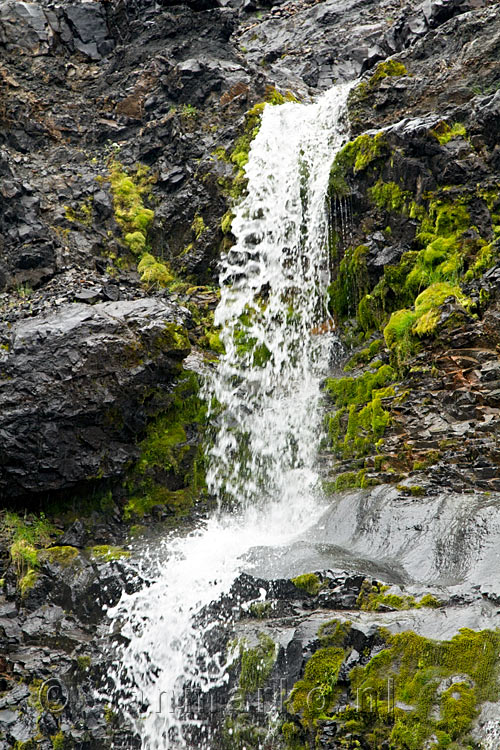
(277, 336)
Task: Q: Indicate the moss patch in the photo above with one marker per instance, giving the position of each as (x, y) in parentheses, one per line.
(108, 553)
(406, 326)
(129, 189)
(445, 133)
(356, 156)
(442, 682)
(360, 419)
(154, 272)
(314, 696)
(308, 582)
(439, 685)
(256, 664)
(62, 556)
(386, 69)
(373, 596)
(170, 468)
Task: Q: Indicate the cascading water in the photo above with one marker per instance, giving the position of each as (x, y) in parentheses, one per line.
(277, 338)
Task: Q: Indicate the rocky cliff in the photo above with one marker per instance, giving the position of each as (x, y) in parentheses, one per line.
(125, 128)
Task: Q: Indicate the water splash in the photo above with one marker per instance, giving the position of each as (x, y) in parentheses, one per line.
(277, 336)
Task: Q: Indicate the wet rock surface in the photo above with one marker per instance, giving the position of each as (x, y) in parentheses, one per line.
(85, 348)
(53, 650)
(74, 386)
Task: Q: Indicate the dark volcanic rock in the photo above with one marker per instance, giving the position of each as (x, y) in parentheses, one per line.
(73, 390)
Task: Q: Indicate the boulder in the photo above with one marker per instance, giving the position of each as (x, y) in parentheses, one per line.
(73, 389)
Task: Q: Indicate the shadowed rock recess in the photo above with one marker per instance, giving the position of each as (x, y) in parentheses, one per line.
(124, 130)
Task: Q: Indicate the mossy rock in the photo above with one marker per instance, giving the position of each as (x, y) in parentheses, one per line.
(256, 664)
(308, 582)
(108, 553)
(62, 556)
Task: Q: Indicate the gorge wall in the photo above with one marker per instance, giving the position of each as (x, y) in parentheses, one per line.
(124, 132)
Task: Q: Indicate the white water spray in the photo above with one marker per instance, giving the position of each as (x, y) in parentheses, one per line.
(277, 336)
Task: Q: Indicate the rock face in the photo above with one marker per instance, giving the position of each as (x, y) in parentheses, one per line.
(122, 129)
(289, 634)
(52, 653)
(75, 388)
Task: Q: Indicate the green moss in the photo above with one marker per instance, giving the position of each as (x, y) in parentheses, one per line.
(389, 196)
(485, 259)
(416, 490)
(82, 214)
(427, 459)
(239, 154)
(215, 343)
(428, 303)
(360, 390)
(129, 190)
(356, 156)
(108, 553)
(174, 338)
(110, 717)
(153, 272)
(167, 449)
(444, 133)
(198, 226)
(428, 600)
(226, 222)
(308, 582)
(419, 666)
(351, 283)
(60, 741)
(386, 69)
(315, 695)
(405, 326)
(292, 736)
(442, 257)
(397, 334)
(27, 582)
(373, 596)
(260, 610)
(364, 427)
(62, 556)
(83, 663)
(353, 431)
(256, 664)
(365, 355)
(346, 481)
(334, 633)
(136, 242)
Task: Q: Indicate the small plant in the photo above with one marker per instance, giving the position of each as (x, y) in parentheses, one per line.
(198, 226)
(24, 556)
(24, 291)
(189, 112)
(26, 536)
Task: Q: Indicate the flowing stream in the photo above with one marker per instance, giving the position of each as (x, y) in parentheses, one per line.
(262, 462)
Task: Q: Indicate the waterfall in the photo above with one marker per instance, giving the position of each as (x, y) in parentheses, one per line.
(277, 337)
